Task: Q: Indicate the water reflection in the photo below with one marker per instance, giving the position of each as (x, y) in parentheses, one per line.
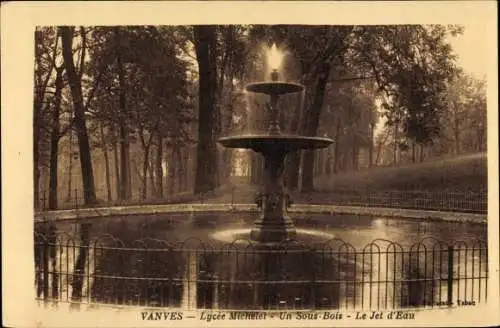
(174, 262)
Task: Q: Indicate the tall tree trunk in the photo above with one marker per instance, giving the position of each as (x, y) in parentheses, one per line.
(395, 146)
(125, 183)
(145, 148)
(226, 69)
(321, 163)
(106, 162)
(152, 172)
(117, 170)
(187, 168)
(70, 164)
(227, 162)
(380, 144)
(260, 168)
(36, 157)
(312, 123)
(316, 161)
(292, 161)
(206, 154)
(159, 168)
(252, 169)
(186, 160)
(413, 151)
(227, 153)
(41, 87)
(292, 169)
(326, 155)
(456, 130)
(377, 156)
(54, 141)
(328, 163)
(422, 152)
(145, 173)
(179, 168)
(336, 148)
(172, 171)
(354, 153)
(370, 151)
(480, 139)
(81, 129)
(371, 139)
(166, 158)
(256, 168)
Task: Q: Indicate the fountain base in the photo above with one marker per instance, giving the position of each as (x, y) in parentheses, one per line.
(242, 237)
(266, 231)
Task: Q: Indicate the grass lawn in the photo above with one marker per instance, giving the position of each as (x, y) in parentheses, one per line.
(457, 174)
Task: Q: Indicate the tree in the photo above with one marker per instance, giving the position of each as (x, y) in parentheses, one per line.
(231, 61)
(348, 116)
(477, 121)
(141, 85)
(74, 80)
(411, 64)
(46, 44)
(55, 137)
(206, 158)
(152, 116)
(49, 119)
(463, 119)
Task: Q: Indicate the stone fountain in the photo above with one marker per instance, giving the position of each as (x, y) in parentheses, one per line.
(274, 225)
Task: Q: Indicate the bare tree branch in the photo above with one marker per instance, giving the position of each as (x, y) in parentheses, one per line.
(49, 73)
(94, 88)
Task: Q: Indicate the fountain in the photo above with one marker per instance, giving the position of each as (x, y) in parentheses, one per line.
(193, 257)
(274, 225)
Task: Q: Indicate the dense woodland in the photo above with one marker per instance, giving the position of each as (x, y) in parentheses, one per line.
(134, 112)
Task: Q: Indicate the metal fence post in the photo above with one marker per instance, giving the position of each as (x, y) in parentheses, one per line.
(46, 265)
(312, 301)
(450, 275)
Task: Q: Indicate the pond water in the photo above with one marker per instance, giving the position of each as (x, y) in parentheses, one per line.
(354, 229)
(188, 261)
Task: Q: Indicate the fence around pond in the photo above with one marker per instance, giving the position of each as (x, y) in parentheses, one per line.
(467, 202)
(191, 274)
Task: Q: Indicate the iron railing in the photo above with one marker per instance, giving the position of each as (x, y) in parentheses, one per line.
(193, 274)
(467, 202)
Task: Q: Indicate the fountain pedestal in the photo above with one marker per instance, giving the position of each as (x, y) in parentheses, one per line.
(273, 225)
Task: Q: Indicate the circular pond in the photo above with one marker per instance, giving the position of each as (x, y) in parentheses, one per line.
(192, 261)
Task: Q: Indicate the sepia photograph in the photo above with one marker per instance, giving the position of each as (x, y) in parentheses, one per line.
(273, 173)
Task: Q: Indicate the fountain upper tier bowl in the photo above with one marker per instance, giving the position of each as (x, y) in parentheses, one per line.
(270, 142)
(275, 88)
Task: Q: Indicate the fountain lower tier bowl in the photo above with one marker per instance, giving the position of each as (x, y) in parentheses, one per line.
(281, 142)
